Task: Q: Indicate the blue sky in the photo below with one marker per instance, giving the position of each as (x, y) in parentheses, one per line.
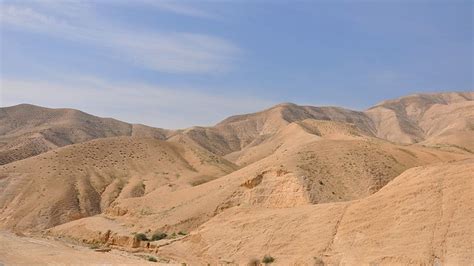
(175, 64)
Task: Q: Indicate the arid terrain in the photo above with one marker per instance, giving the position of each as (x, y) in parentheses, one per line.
(298, 185)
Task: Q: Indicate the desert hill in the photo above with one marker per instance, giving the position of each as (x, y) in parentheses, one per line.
(85, 179)
(244, 131)
(321, 161)
(28, 130)
(443, 120)
(303, 184)
(422, 217)
(430, 118)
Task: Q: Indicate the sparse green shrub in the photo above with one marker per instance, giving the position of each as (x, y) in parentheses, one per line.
(267, 259)
(150, 258)
(94, 246)
(141, 237)
(182, 233)
(158, 236)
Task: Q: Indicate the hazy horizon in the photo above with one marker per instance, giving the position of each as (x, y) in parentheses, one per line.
(223, 118)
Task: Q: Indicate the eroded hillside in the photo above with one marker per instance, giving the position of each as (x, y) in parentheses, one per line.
(423, 217)
(86, 179)
(28, 130)
(303, 184)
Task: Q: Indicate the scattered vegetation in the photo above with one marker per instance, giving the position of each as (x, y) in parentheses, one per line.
(150, 258)
(141, 237)
(318, 261)
(145, 211)
(182, 233)
(267, 259)
(94, 246)
(158, 236)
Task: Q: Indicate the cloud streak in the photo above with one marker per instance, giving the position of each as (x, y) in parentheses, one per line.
(179, 8)
(162, 51)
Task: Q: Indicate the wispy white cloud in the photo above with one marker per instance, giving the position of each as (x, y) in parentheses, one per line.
(27, 18)
(164, 51)
(161, 106)
(179, 8)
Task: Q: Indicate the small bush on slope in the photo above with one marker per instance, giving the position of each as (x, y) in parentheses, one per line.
(152, 259)
(141, 237)
(158, 236)
(267, 259)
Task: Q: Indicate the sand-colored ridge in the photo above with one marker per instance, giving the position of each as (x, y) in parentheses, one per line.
(421, 217)
(424, 117)
(321, 170)
(85, 179)
(429, 119)
(28, 130)
(243, 131)
(303, 184)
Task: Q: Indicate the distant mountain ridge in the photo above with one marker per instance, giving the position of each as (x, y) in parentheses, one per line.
(423, 117)
(411, 119)
(28, 130)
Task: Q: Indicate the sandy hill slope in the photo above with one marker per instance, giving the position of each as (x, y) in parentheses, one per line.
(28, 130)
(322, 161)
(443, 119)
(433, 118)
(293, 135)
(303, 184)
(422, 217)
(85, 179)
(239, 132)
